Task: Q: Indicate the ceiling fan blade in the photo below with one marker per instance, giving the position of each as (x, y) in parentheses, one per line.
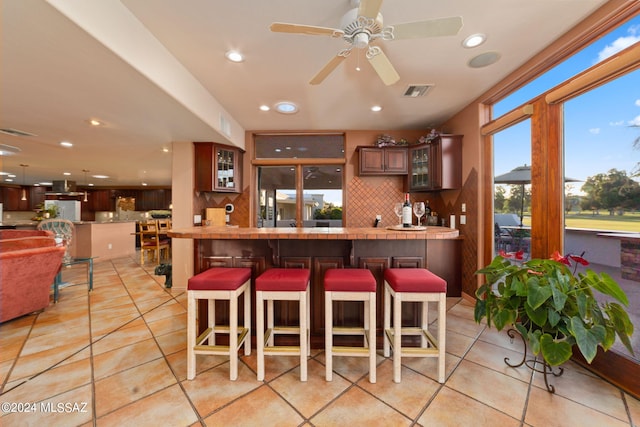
(281, 27)
(431, 28)
(327, 69)
(382, 65)
(369, 8)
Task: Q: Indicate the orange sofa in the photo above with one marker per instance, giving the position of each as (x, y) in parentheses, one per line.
(29, 262)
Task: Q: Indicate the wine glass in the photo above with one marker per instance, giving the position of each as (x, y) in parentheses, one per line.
(418, 210)
(397, 208)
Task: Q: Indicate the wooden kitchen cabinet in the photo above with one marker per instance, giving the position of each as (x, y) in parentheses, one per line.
(436, 165)
(218, 168)
(382, 161)
(100, 200)
(11, 199)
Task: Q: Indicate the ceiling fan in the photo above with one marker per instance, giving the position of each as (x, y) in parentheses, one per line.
(363, 25)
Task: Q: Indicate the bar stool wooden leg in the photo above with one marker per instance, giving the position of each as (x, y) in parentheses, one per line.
(260, 334)
(386, 345)
(328, 335)
(304, 350)
(233, 339)
(442, 332)
(371, 305)
(397, 336)
(191, 336)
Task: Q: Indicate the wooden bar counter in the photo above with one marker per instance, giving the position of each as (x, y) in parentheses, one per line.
(321, 248)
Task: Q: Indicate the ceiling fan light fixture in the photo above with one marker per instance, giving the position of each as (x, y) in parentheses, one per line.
(234, 56)
(286, 107)
(474, 40)
(361, 40)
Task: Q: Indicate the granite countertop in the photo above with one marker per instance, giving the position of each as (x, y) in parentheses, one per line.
(313, 233)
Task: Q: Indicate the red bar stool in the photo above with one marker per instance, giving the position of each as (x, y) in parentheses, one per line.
(219, 284)
(419, 285)
(283, 284)
(350, 285)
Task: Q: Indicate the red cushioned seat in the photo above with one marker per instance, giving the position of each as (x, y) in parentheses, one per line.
(414, 280)
(283, 279)
(349, 280)
(219, 278)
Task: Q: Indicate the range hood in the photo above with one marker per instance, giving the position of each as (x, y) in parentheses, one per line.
(64, 188)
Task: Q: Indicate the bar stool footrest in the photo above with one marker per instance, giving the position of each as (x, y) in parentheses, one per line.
(415, 351)
(350, 351)
(213, 349)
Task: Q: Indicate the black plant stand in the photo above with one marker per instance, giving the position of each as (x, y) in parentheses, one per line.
(531, 363)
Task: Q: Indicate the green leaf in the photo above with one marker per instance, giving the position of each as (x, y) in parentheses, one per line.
(504, 318)
(537, 294)
(554, 352)
(587, 339)
(537, 316)
(605, 284)
(553, 317)
(480, 310)
(559, 297)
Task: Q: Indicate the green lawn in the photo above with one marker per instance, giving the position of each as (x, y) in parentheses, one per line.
(604, 221)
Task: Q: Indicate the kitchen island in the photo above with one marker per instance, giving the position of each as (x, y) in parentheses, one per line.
(321, 248)
(104, 240)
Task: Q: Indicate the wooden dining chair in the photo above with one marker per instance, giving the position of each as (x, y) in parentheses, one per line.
(152, 240)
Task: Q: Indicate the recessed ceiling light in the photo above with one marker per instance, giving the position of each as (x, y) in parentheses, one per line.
(234, 56)
(45, 183)
(66, 173)
(264, 108)
(165, 150)
(474, 40)
(286, 107)
(484, 59)
(94, 122)
(66, 144)
(144, 184)
(376, 108)
(100, 176)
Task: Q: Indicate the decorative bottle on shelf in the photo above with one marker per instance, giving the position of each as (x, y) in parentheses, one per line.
(427, 210)
(406, 212)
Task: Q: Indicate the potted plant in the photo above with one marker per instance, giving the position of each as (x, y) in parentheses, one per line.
(552, 307)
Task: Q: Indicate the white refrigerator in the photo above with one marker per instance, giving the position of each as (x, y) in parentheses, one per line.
(67, 209)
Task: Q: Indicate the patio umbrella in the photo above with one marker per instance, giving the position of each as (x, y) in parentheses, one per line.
(520, 175)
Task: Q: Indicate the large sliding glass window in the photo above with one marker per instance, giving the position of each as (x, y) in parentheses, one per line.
(599, 150)
(512, 189)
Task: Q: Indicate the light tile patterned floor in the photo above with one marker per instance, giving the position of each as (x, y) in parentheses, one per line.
(117, 357)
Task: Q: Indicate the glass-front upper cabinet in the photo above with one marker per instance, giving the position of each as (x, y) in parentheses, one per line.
(436, 165)
(420, 171)
(226, 169)
(218, 168)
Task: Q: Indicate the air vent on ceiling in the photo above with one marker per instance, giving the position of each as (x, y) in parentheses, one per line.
(413, 91)
(15, 132)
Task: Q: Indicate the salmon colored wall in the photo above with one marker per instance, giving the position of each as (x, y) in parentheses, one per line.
(467, 123)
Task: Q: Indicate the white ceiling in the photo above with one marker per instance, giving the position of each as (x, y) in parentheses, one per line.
(155, 72)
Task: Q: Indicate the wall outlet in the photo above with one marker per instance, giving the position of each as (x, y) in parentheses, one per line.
(463, 219)
(197, 219)
(109, 246)
(464, 208)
